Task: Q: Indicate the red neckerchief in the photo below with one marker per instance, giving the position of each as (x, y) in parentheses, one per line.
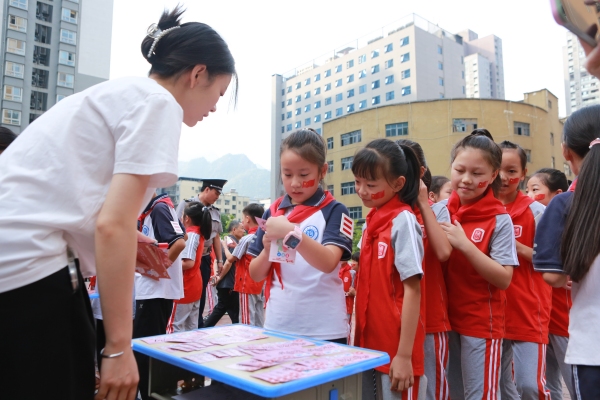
(164, 198)
(573, 185)
(298, 214)
(519, 205)
(252, 230)
(483, 208)
(378, 220)
(345, 267)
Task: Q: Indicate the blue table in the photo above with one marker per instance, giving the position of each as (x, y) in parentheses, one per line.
(218, 371)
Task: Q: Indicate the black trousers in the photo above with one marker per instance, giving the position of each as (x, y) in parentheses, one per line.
(229, 301)
(151, 318)
(586, 382)
(205, 267)
(47, 340)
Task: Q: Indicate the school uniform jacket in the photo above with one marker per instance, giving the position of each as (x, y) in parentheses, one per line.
(243, 282)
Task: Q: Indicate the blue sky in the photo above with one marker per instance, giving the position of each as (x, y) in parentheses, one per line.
(270, 37)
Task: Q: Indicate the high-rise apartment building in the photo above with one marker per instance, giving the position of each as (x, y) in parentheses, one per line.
(484, 68)
(50, 49)
(407, 61)
(581, 88)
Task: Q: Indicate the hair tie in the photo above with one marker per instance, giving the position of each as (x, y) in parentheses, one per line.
(205, 208)
(156, 33)
(594, 142)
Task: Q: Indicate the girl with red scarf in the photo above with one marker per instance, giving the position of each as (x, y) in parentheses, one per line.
(389, 316)
(304, 296)
(528, 298)
(479, 269)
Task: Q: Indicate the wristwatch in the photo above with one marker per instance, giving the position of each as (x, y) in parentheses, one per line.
(293, 238)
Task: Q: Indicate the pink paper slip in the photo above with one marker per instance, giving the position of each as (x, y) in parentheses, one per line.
(261, 223)
(152, 261)
(281, 375)
(227, 353)
(327, 349)
(201, 358)
(251, 365)
(283, 355)
(277, 345)
(351, 358)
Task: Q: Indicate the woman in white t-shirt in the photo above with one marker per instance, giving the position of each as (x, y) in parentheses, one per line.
(79, 176)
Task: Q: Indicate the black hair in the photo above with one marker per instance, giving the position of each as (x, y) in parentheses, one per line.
(181, 49)
(356, 256)
(427, 179)
(254, 210)
(553, 179)
(234, 223)
(482, 139)
(437, 182)
(200, 216)
(390, 160)
(513, 146)
(581, 237)
(6, 137)
(308, 144)
(416, 147)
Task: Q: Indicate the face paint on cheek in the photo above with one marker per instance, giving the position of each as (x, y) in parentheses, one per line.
(512, 181)
(308, 184)
(539, 197)
(482, 184)
(378, 195)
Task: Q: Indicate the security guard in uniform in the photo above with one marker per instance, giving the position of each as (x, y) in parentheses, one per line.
(210, 192)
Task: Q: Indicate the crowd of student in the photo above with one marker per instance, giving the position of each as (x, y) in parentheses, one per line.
(474, 289)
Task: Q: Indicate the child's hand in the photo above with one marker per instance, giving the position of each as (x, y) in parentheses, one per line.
(214, 280)
(423, 199)
(278, 227)
(267, 242)
(351, 292)
(456, 234)
(401, 373)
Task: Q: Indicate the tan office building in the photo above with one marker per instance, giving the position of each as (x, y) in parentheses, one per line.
(437, 125)
(233, 203)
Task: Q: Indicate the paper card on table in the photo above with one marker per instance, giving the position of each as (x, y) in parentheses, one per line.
(227, 353)
(201, 358)
(281, 375)
(312, 364)
(224, 340)
(327, 349)
(283, 355)
(261, 223)
(152, 261)
(280, 254)
(187, 347)
(351, 358)
(277, 345)
(152, 340)
(251, 365)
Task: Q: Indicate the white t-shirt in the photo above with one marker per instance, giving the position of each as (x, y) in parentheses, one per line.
(55, 176)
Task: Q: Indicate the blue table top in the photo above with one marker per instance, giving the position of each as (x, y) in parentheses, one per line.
(256, 386)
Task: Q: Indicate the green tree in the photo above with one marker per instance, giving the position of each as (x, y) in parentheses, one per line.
(225, 220)
(358, 224)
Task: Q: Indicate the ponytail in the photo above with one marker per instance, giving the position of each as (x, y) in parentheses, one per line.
(581, 237)
(200, 216)
(410, 191)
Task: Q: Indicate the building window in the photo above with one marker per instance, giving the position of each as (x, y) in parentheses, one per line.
(338, 83)
(567, 169)
(389, 79)
(404, 41)
(327, 87)
(552, 162)
(350, 78)
(338, 68)
(399, 129)
(327, 115)
(389, 96)
(13, 93)
(405, 57)
(362, 89)
(317, 91)
(38, 101)
(406, 91)
(69, 15)
(350, 108)
(439, 50)
(375, 84)
(521, 129)
(362, 74)
(307, 122)
(298, 98)
(289, 102)
(298, 111)
(328, 101)
(283, 117)
(389, 63)
(288, 114)
(347, 163)
(329, 143)
(376, 100)
(339, 97)
(552, 139)
(39, 78)
(318, 130)
(442, 95)
(289, 89)
(388, 47)
(339, 112)
(329, 166)
(375, 53)
(348, 188)
(317, 77)
(330, 189)
(307, 95)
(355, 212)
(11, 117)
(288, 127)
(282, 129)
(298, 124)
(41, 55)
(43, 12)
(17, 23)
(528, 153)
(307, 81)
(15, 46)
(327, 73)
(351, 137)
(298, 85)
(362, 59)
(65, 80)
(405, 74)
(317, 104)
(350, 64)
(351, 93)
(440, 65)
(375, 69)
(42, 33)
(282, 103)
(318, 118)
(67, 36)
(464, 125)
(59, 97)
(441, 81)
(19, 4)
(15, 70)
(362, 104)
(307, 108)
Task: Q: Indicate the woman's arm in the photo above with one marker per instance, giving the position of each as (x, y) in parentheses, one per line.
(116, 244)
(437, 237)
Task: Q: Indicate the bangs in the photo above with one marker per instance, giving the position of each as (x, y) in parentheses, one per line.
(369, 164)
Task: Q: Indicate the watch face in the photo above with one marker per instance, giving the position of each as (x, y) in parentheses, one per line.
(292, 242)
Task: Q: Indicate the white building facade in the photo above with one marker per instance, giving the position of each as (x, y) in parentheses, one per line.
(581, 88)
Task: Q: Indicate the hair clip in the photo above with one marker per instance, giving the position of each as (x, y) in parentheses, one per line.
(594, 142)
(156, 33)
